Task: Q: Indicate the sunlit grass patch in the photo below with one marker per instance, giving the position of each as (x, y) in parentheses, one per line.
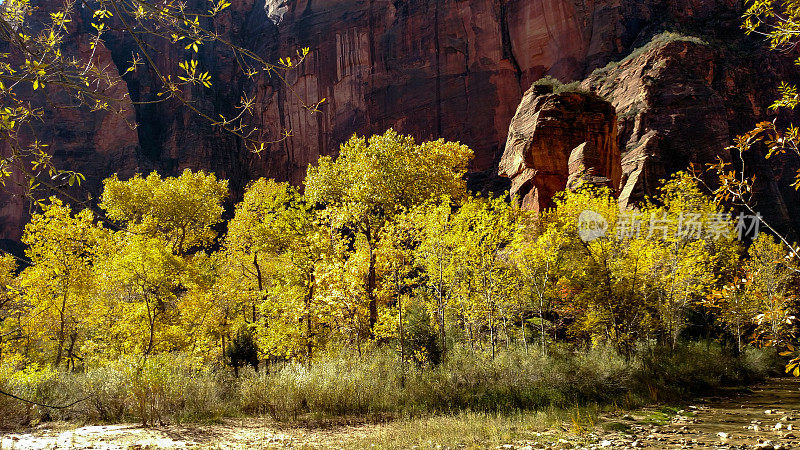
(470, 429)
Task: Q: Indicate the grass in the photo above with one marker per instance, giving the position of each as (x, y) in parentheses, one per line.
(663, 414)
(657, 41)
(659, 418)
(469, 429)
(617, 426)
(341, 387)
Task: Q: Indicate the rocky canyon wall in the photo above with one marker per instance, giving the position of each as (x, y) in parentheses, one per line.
(557, 140)
(431, 68)
(674, 102)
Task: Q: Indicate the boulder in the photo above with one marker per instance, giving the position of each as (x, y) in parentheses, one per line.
(557, 141)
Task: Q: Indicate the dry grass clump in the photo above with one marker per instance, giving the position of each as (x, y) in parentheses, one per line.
(175, 388)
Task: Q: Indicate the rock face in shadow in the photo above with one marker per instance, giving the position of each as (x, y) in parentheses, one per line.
(680, 102)
(557, 141)
(95, 144)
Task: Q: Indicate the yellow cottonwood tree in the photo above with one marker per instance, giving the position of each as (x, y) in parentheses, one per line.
(773, 276)
(10, 311)
(736, 305)
(435, 254)
(58, 286)
(483, 229)
(643, 275)
(539, 261)
(256, 234)
(372, 180)
(141, 280)
(276, 234)
(695, 247)
(598, 298)
(157, 256)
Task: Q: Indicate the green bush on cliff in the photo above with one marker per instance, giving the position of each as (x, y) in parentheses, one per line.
(557, 87)
(602, 73)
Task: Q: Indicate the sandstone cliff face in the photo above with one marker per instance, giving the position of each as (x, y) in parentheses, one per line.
(671, 115)
(555, 140)
(431, 68)
(93, 143)
(445, 68)
(448, 68)
(452, 69)
(681, 101)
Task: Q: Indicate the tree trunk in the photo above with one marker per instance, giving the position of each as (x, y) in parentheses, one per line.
(442, 332)
(524, 340)
(151, 318)
(402, 343)
(61, 330)
(260, 282)
(739, 337)
(505, 330)
(491, 330)
(309, 335)
(543, 335)
(373, 302)
(60, 349)
(70, 356)
(471, 338)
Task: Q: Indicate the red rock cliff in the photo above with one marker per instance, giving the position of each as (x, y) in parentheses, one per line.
(431, 68)
(556, 139)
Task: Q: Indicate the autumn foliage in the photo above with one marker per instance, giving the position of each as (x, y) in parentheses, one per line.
(383, 250)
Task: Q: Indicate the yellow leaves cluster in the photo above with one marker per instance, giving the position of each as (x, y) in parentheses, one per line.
(192, 75)
(377, 178)
(183, 210)
(630, 283)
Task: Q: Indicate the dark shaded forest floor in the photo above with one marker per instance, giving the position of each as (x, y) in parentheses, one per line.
(765, 416)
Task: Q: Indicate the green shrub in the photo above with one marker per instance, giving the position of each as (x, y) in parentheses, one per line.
(557, 87)
(422, 340)
(242, 351)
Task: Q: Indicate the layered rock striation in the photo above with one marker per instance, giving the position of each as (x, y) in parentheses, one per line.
(556, 141)
(455, 69)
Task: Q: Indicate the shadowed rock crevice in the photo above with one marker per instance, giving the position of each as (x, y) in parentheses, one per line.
(558, 140)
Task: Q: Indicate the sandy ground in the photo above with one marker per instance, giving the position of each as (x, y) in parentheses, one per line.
(250, 433)
(767, 417)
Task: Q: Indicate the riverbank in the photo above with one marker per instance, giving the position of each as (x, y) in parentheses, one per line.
(764, 416)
